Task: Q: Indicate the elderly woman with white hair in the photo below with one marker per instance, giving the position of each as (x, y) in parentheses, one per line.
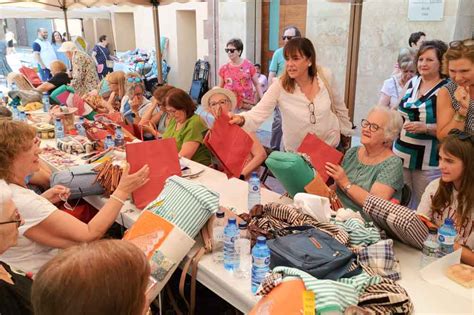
(371, 168)
(219, 100)
(15, 287)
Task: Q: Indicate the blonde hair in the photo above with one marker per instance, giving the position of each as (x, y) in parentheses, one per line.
(463, 49)
(117, 77)
(102, 277)
(58, 66)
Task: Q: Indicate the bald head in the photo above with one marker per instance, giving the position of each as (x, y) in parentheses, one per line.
(42, 33)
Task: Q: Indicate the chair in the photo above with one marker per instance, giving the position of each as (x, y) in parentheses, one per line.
(406, 195)
(266, 171)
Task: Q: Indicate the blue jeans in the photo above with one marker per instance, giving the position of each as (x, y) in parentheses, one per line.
(44, 74)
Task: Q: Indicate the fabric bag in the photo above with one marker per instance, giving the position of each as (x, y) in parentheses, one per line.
(318, 187)
(79, 179)
(230, 144)
(162, 158)
(61, 94)
(316, 206)
(319, 153)
(109, 64)
(291, 170)
(314, 252)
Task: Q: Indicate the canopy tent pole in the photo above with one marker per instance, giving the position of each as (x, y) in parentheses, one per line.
(68, 36)
(156, 22)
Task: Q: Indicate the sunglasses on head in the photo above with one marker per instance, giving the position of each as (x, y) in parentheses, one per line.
(284, 37)
(230, 50)
(460, 43)
(462, 135)
(134, 79)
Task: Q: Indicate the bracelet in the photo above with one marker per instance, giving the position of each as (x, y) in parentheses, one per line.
(243, 121)
(347, 187)
(458, 117)
(117, 199)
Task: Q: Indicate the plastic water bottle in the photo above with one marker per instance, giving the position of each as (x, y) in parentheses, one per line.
(254, 191)
(231, 233)
(2, 99)
(332, 220)
(13, 87)
(260, 262)
(45, 101)
(218, 237)
(242, 247)
(430, 249)
(446, 236)
(15, 112)
(22, 116)
(119, 140)
(58, 128)
(109, 142)
(80, 127)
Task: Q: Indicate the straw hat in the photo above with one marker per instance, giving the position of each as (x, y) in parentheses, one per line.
(67, 46)
(218, 90)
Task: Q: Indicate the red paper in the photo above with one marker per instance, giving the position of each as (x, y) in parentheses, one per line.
(162, 158)
(230, 145)
(320, 153)
(31, 75)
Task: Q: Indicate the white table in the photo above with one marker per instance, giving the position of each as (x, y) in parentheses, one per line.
(427, 298)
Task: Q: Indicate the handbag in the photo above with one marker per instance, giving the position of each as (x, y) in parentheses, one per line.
(318, 187)
(81, 180)
(108, 63)
(314, 252)
(162, 158)
(319, 153)
(230, 144)
(291, 170)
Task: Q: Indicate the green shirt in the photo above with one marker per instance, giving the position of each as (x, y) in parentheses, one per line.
(388, 172)
(278, 62)
(194, 129)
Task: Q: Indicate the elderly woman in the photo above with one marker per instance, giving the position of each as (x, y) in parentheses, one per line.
(186, 127)
(47, 228)
(222, 101)
(123, 266)
(84, 73)
(417, 144)
(60, 77)
(371, 168)
(102, 57)
(159, 119)
(134, 103)
(239, 75)
(304, 97)
(456, 99)
(14, 286)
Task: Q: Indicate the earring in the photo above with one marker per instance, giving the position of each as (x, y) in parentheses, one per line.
(309, 65)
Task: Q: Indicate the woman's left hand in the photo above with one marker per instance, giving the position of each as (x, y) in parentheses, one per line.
(57, 193)
(415, 127)
(135, 104)
(337, 173)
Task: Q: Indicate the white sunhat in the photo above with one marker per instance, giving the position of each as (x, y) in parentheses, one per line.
(218, 90)
(67, 46)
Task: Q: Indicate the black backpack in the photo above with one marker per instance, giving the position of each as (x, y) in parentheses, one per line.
(200, 84)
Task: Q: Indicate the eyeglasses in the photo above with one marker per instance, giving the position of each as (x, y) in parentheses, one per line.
(16, 219)
(367, 124)
(312, 117)
(460, 43)
(287, 37)
(64, 198)
(134, 79)
(219, 103)
(462, 135)
(230, 50)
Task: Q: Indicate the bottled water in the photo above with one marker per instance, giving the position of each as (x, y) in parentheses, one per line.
(45, 101)
(446, 236)
(80, 127)
(15, 112)
(22, 116)
(260, 262)
(13, 87)
(332, 220)
(119, 140)
(231, 233)
(109, 142)
(2, 99)
(58, 128)
(218, 237)
(254, 191)
(242, 247)
(430, 249)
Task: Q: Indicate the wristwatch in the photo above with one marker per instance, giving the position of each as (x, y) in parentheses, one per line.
(347, 187)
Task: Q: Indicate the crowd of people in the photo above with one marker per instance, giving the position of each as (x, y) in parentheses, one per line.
(420, 135)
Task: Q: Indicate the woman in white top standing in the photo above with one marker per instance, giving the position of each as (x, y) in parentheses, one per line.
(304, 100)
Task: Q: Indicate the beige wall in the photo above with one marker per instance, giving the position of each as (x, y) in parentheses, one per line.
(125, 38)
(104, 27)
(186, 47)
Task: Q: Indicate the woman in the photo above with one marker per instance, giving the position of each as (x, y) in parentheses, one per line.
(160, 119)
(84, 74)
(304, 100)
(15, 287)
(186, 127)
(392, 88)
(102, 57)
(456, 99)
(239, 76)
(4, 66)
(417, 144)
(60, 77)
(84, 280)
(134, 103)
(451, 196)
(57, 40)
(221, 101)
(371, 168)
(47, 228)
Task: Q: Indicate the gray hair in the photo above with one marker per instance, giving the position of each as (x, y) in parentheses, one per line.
(406, 58)
(394, 124)
(5, 194)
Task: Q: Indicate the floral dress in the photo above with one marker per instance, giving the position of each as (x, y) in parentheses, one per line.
(238, 79)
(84, 73)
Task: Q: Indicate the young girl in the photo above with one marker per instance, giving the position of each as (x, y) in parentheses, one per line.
(452, 194)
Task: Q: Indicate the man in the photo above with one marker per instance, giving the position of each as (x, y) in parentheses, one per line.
(416, 39)
(277, 66)
(44, 54)
(262, 79)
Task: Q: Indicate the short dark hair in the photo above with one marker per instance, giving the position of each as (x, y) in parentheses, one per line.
(415, 37)
(237, 43)
(257, 65)
(439, 47)
(292, 27)
(180, 100)
(102, 38)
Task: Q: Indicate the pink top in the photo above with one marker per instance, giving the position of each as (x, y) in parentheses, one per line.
(238, 79)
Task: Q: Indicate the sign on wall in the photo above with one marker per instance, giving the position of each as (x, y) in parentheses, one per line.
(425, 10)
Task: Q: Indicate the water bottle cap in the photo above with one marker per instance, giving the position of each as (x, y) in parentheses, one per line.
(45, 93)
(243, 225)
(433, 230)
(261, 240)
(220, 214)
(109, 137)
(118, 127)
(448, 221)
(254, 174)
(58, 119)
(232, 221)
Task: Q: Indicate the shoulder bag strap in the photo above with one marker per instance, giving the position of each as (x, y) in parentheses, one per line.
(396, 87)
(100, 48)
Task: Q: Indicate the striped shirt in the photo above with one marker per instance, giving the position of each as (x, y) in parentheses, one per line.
(469, 127)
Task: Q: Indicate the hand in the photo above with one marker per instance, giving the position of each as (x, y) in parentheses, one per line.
(463, 97)
(337, 173)
(130, 182)
(57, 193)
(236, 119)
(415, 127)
(135, 104)
(109, 105)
